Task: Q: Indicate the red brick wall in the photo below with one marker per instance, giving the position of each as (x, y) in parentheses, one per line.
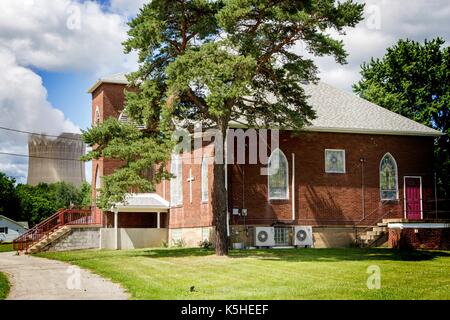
(320, 198)
(407, 239)
(332, 199)
(109, 99)
(197, 213)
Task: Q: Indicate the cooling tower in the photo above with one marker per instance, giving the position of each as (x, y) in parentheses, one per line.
(56, 159)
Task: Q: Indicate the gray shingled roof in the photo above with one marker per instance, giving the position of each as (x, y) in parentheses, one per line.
(340, 111)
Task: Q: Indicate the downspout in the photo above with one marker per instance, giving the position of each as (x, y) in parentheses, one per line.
(363, 198)
(435, 195)
(293, 187)
(225, 152)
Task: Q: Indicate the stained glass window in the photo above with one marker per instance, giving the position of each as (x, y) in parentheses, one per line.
(98, 182)
(334, 161)
(176, 183)
(97, 117)
(388, 178)
(205, 189)
(278, 176)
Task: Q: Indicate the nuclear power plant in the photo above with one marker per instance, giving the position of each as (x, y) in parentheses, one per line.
(54, 160)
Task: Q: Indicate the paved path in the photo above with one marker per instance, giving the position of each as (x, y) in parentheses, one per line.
(34, 278)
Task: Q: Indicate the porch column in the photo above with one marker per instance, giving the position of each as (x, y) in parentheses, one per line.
(116, 229)
(158, 220)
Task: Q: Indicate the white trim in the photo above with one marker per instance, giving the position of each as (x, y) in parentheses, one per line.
(293, 186)
(406, 225)
(345, 164)
(287, 176)
(237, 125)
(204, 163)
(102, 81)
(396, 180)
(404, 194)
(177, 181)
(158, 220)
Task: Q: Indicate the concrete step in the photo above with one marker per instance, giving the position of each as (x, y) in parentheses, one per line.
(49, 239)
(380, 229)
(375, 232)
(386, 221)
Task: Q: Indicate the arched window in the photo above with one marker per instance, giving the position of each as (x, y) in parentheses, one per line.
(98, 182)
(97, 117)
(205, 186)
(176, 183)
(123, 118)
(388, 178)
(278, 176)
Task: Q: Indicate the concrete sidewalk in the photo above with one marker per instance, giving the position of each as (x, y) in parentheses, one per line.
(34, 278)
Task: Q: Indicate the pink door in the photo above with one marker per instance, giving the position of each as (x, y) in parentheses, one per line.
(413, 198)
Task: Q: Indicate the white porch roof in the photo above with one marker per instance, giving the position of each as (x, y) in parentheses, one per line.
(143, 202)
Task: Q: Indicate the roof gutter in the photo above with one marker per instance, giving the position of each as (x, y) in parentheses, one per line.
(102, 81)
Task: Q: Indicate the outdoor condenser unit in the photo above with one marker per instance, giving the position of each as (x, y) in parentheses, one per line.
(264, 237)
(303, 236)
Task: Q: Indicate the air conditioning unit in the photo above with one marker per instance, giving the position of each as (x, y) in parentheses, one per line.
(264, 237)
(303, 236)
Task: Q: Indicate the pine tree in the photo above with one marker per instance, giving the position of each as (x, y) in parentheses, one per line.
(200, 61)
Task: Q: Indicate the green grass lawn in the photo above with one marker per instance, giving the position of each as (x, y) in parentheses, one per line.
(6, 247)
(270, 274)
(4, 286)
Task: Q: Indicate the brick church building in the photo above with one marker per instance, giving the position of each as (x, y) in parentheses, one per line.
(354, 166)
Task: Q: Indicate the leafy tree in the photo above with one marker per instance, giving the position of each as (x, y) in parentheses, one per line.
(42, 201)
(85, 195)
(413, 79)
(9, 201)
(200, 61)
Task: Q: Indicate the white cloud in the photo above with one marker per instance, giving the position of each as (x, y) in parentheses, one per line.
(52, 35)
(415, 19)
(64, 35)
(24, 106)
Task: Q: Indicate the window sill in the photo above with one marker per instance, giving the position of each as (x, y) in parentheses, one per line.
(279, 200)
(389, 201)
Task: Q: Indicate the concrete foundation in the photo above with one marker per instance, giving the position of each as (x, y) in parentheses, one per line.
(76, 239)
(129, 239)
(190, 237)
(324, 237)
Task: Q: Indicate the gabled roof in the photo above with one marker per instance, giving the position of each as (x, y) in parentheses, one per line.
(338, 111)
(143, 202)
(118, 78)
(20, 224)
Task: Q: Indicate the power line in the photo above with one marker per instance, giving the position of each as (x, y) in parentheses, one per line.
(39, 134)
(38, 157)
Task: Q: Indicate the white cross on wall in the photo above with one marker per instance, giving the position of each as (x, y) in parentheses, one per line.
(190, 180)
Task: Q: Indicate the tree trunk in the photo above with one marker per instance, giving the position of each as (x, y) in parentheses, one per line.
(220, 208)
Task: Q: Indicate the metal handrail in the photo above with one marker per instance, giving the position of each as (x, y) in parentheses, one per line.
(48, 226)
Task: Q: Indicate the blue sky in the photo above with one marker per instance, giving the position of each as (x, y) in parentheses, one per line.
(52, 51)
(67, 91)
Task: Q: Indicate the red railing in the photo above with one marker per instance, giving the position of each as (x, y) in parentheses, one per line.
(58, 220)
